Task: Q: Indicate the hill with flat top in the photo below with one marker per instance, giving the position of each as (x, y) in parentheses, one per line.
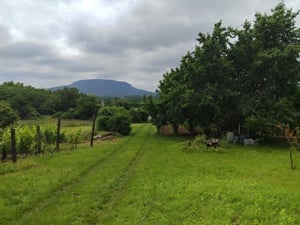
(103, 87)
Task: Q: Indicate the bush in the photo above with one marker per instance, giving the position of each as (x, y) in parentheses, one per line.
(114, 119)
(25, 139)
(138, 115)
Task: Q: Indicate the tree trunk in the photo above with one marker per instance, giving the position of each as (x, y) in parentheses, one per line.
(13, 145)
(58, 135)
(38, 140)
(175, 128)
(93, 130)
(4, 155)
(291, 158)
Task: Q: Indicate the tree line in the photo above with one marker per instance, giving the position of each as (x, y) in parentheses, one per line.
(29, 102)
(18, 101)
(246, 76)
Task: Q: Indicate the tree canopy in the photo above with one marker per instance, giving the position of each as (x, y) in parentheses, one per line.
(7, 115)
(247, 76)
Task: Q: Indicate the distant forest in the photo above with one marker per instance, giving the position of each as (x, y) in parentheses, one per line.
(29, 102)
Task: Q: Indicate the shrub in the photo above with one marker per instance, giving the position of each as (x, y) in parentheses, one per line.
(138, 115)
(25, 139)
(74, 138)
(115, 119)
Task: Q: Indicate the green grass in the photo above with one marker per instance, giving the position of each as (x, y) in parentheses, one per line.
(49, 120)
(150, 179)
(67, 125)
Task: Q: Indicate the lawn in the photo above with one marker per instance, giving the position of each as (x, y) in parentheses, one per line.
(146, 178)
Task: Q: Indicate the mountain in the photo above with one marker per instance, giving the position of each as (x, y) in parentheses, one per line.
(103, 87)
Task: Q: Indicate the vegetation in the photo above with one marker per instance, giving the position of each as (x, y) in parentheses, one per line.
(7, 115)
(145, 178)
(139, 115)
(25, 102)
(30, 142)
(248, 76)
(29, 102)
(115, 119)
(127, 102)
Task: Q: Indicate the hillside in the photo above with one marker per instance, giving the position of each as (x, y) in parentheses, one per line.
(103, 87)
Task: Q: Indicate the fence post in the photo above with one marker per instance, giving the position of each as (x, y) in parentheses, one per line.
(4, 155)
(13, 144)
(38, 139)
(93, 130)
(58, 134)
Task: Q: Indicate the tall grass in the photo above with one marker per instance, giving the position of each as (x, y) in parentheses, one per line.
(50, 120)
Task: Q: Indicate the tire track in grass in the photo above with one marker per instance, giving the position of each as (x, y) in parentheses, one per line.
(128, 172)
(121, 180)
(42, 200)
(107, 186)
(110, 213)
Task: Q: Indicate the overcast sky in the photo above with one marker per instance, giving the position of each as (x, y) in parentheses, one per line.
(46, 43)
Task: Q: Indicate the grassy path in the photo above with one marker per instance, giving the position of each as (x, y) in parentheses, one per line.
(73, 181)
(148, 179)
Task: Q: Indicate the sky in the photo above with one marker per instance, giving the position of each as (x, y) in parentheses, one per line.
(47, 43)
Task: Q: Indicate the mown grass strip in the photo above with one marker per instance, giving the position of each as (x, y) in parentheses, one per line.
(79, 202)
(23, 191)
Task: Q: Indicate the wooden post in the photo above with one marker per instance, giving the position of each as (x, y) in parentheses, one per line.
(93, 130)
(4, 155)
(38, 140)
(58, 134)
(13, 144)
(291, 157)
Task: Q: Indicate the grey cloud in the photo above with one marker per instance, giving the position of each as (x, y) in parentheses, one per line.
(5, 36)
(26, 50)
(138, 45)
(144, 29)
(160, 24)
(36, 79)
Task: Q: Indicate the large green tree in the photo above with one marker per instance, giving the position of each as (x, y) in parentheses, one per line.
(86, 106)
(65, 99)
(237, 76)
(171, 99)
(197, 92)
(275, 69)
(7, 115)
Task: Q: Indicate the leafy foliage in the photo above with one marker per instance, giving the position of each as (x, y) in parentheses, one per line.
(116, 119)
(29, 102)
(26, 139)
(138, 115)
(7, 115)
(247, 76)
